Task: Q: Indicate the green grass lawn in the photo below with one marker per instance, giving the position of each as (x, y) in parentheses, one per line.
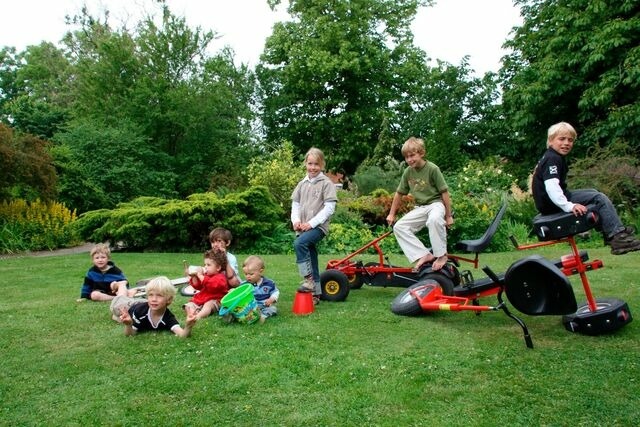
(348, 363)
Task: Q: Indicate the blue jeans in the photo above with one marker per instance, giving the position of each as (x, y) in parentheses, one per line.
(609, 219)
(307, 254)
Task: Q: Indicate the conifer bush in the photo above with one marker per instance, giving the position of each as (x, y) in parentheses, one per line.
(155, 224)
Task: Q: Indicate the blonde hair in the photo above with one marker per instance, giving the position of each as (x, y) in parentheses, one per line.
(317, 153)
(163, 286)
(413, 145)
(100, 248)
(254, 260)
(558, 128)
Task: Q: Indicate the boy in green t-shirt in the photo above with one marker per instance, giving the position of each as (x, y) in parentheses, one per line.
(424, 181)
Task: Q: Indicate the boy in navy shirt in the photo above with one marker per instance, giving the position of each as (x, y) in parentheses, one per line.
(550, 193)
(103, 278)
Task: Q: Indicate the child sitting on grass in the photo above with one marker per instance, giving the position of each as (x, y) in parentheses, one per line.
(265, 290)
(103, 279)
(220, 239)
(152, 313)
(210, 282)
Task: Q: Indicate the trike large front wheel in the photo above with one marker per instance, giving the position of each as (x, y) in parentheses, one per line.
(407, 302)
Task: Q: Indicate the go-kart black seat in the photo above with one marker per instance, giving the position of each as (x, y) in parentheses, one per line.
(564, 224)
(478, 245)
(535, 286)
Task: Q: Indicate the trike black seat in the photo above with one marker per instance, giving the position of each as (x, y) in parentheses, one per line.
(535, 286)
(563, 224)
(478, 245)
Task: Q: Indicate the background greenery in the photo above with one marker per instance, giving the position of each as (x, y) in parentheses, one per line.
(111, 113)
(350, 363)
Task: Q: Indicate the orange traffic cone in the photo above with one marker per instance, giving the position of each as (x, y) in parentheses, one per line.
(303, 303)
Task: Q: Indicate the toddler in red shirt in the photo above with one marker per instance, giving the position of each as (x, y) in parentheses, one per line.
(211, 283)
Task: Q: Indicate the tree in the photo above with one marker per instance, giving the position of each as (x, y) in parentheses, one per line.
(35, 97)
(26, 169)
(101, 165)
(575, 61)
(329, 76)
(190, 106)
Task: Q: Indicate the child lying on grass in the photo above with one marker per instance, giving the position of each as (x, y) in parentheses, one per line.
(152, 313)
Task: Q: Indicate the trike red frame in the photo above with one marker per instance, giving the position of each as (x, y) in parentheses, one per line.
(533, 285)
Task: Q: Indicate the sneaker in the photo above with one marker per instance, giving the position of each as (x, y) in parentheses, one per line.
(307, 286)
(623, 243)
(316, 299)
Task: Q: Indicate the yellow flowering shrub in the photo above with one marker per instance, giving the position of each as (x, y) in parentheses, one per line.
(35, 225)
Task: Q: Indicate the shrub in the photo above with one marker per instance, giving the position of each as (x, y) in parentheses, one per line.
(344, 239)
(613, 170)
(117, 160)
(25, 167)
(278, 241)
(481, 177)
(374, 208)
(157, 224)
(35, 225)
(278, 172)
(369, 178)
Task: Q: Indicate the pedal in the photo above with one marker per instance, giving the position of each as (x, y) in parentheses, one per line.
(466, 278)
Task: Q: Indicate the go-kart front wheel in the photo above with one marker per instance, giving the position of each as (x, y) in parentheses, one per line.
(406, 303)
(334, 285)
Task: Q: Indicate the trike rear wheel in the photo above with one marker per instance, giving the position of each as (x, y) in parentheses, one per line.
(611, 314)
(445, 283)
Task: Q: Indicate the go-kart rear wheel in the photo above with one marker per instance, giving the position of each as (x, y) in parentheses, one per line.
(611, 314)
(355, 280)
(406, 304)
(445, 283)
(334, 285)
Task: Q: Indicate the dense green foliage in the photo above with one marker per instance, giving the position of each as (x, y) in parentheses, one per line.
(278, 171)
(576, 61)
(158, 224)
(614, 170)
(92, 173)
(151, 93)
(25, 167)
(339, 75)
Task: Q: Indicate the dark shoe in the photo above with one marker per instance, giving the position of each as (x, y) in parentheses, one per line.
(628, 229)
(316, 299)
(623, 243)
